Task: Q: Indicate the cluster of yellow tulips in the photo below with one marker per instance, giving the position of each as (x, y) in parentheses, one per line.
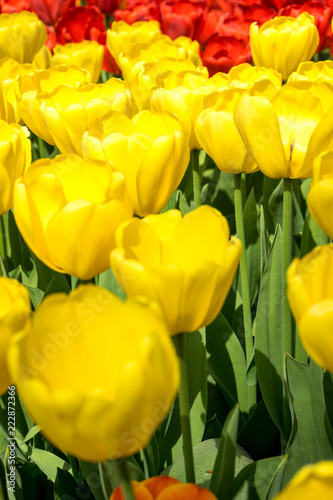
(97, 374)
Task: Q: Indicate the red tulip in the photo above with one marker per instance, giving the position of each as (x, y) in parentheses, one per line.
(138, 12)
(222, 53)
(181, 18)
(49, 11)
(81, 23)
(11, 6)
(105, 6)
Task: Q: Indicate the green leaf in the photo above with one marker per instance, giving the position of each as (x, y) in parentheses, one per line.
(107, 472)
(46, 461)
(204, 455)
(260, 475)
(107, 280)
(277, 480)
(57, 284)
(311, 438)
(171, 447)
(224, 468)
(269, 340)
(252, 241)
(259, 433)
(36, 296)
(243, 493)
(263, 241)
(226, 361)
(14, 492)
(66, 488)
(150, 458)
(32, 432)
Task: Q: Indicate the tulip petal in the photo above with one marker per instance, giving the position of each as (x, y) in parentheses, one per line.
(82, 221)
(218, 136)
(258, 124)
(161, 172)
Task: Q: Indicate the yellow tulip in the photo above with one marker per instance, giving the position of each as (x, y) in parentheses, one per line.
(43, 58)
(68, 209)
(150, 150)
(63, 115)
(186, 265)
(15, 157)
(22, 35)
(184, 103)
(163, 46)
(283, 43)
(190, 78)
(14, 317)
(321, 71)
(313, 481)
(320, 196)
(145, 75)
(32, 88)
(86, 55)
(122, 36)
(97, 374)
(245, 75)
(10, 72)
(286, 133)
(311, 302)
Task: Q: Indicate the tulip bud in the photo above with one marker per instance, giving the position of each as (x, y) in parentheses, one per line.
(68, 209)
(14, 317)
(283, 43)
(15, 157)
(150, 150)
(22, 35)
(186, 265)
(311, 481)
(165, 488)
(86, 55)
(97, 374)
(320, 196)
(311, 302)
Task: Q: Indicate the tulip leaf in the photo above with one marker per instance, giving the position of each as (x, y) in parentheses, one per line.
(36, 296)
(243, 493)
(311, 438)
(13, 492)
(65, 486)
(252, 242)
(226, 362)
(204, 455)
(260, 476)
(221, 483)
(277, 480)
(107, 280)
(259, 434)
(269, 345)
(171, 447)
(32, 432)
(45, 460)
(107, 472)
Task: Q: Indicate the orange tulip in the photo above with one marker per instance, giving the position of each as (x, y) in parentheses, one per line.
(165, 488)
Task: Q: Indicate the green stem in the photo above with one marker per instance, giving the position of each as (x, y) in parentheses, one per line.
(286, 259)
(125, 479)
(196, 177)
(184, 408)
(3, 250)
(238, 198)
(41, 147)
